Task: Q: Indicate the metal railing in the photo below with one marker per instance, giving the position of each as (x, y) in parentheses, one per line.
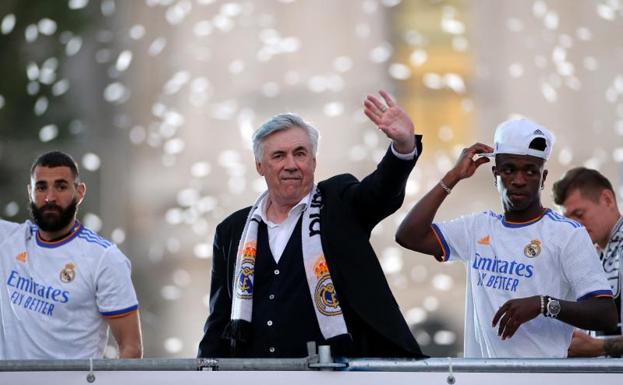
(577, 365)
(312, 370)
(321, 359)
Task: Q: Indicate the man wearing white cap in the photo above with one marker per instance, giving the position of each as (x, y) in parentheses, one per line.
(532, 275)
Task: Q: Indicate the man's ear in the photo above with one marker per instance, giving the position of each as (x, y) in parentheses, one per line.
(607, 197)
(29, 189)
(258, 168)
(82, 190)
(543, 179)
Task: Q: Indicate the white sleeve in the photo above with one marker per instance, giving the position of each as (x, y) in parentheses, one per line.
(582, 268)
(6, 229)
(455, 238)
(409, 156)
(115, 294)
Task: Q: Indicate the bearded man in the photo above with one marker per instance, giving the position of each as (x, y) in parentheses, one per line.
(63, 285)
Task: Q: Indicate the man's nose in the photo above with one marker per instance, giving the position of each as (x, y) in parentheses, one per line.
(50, 196)
(519, 179)
(290, 163)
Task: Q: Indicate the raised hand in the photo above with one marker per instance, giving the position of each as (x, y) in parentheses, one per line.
(466, 166)
(514, 313)
(392, 120)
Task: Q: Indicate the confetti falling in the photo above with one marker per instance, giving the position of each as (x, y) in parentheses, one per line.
(158, 100)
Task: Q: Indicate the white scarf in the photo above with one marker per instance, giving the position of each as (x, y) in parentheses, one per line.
(322, 291)
(612, 261)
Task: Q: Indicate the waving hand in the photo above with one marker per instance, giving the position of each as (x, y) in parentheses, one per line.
(392, 120)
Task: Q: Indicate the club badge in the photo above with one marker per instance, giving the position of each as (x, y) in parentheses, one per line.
(533, 249)
(68, 274)
(247, 271)
(325, 296)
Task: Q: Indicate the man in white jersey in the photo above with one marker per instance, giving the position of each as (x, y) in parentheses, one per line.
(62, 284)
(531, 274)
(589, 198)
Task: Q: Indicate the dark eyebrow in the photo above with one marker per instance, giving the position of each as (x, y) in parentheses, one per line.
(56, 182)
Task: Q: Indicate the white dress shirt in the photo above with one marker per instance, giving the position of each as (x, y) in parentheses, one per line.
(279, 233)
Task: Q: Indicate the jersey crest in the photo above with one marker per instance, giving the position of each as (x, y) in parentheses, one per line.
(533, 249)
(68, 274)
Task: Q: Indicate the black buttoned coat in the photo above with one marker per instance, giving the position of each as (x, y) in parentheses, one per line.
(351, 209)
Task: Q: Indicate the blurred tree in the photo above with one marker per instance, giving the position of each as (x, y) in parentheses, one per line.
(37, 39)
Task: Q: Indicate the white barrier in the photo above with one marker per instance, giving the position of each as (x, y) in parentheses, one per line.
(311, 370)
(306, 378)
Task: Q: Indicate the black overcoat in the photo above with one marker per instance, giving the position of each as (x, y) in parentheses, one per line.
(351, 209)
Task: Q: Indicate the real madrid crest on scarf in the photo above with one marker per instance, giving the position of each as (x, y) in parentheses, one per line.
(533, 249)
(325, 297)
(321, 288)
(247, 271)
(68, 273)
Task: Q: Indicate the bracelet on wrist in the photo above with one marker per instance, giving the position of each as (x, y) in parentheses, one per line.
(445, 187)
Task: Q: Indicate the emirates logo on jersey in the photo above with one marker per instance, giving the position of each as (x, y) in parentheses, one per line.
(68, 274)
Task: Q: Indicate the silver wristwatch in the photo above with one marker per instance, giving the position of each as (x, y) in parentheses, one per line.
(552, 309)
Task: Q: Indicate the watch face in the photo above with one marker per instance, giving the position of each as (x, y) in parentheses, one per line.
(553, 307)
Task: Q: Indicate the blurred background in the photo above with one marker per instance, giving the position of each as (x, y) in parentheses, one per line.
(157, 101)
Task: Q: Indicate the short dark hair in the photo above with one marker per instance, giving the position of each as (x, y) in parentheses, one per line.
(589, 182)
(56, 159)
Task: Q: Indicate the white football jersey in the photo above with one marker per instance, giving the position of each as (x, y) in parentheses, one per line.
(55, 296)
(550, 255)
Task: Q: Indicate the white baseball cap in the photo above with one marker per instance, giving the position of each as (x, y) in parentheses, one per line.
(522, 137)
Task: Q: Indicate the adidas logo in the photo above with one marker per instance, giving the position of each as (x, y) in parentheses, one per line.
(485, 240)
(21, 256)
(538, 132)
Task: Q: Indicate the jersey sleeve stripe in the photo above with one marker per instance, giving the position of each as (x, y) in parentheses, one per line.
(442, 242)
(119, 313)
(596, 293)
(559, 218)
(99, 241)
(90, 235)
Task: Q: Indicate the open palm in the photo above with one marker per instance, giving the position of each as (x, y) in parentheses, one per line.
(390, 118)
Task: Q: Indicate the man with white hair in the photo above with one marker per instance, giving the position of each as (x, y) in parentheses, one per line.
(531, 274)
(297, 266)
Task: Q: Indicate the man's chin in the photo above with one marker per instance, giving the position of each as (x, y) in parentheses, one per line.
(293, 197)
(515, 206)
(49, 226)
(52, 219)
